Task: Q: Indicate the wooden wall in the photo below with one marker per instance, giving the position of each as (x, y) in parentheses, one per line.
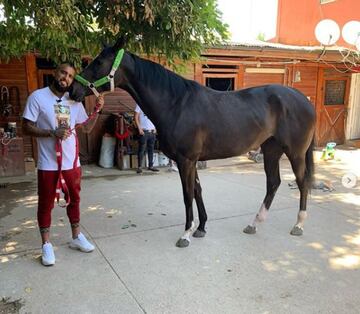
(307, 77)
(119, 101)
(90, 144)
(258, 79)
(13, 74)
(308, 80)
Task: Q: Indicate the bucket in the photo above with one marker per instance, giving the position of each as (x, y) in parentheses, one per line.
(156, 160)
(329, 151)
(330, 145)
(126, 162)
(107, 152)
(163, 160)
(12, 129)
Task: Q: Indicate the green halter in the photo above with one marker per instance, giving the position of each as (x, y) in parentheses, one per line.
(105, 79)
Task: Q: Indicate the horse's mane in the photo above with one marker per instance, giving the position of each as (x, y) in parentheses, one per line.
(155, 76)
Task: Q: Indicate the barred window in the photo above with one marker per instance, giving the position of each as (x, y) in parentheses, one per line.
(335, 92)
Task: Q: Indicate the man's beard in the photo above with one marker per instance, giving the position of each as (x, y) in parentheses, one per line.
(59, 88)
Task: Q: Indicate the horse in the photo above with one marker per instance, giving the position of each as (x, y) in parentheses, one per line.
(196, 123)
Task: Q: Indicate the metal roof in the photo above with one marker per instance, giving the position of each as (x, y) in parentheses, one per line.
(268, 45)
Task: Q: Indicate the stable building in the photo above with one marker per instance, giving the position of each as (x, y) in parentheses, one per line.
(325, 76)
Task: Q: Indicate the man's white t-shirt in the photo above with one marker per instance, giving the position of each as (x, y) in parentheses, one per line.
(49, 112)
(145, 122)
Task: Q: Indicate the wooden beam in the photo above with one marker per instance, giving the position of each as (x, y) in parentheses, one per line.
(319, 103)
(31, 72)
(265, 70)
(212, 70)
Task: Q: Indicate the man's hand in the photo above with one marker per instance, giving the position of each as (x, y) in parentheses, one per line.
(141, 131)
(62, 133)
(100, 101)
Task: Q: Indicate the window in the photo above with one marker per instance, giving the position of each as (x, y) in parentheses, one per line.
(335, 92)
(45, 77)
(221, 84)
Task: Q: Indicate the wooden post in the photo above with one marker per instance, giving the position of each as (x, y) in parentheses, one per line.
(32, 84)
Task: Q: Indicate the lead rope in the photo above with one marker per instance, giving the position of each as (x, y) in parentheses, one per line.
(61, 184)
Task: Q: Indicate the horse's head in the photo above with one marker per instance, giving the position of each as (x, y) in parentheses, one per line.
(101, 75)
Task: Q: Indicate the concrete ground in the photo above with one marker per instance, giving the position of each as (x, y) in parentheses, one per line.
(135, 221)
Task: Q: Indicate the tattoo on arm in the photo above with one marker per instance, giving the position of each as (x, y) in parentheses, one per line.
(31, 129)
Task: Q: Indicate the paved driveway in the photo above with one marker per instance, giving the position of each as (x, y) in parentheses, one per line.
(135, 222)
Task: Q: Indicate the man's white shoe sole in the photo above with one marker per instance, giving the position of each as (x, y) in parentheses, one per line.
(47, 263)
(76, 247)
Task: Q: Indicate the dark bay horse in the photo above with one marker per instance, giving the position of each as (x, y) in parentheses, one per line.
(197, 123)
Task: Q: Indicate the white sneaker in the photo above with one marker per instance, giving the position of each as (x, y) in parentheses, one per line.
(82, 244)
(48, 256)
(174, 168)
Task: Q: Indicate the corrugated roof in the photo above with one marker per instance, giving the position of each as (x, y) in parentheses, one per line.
(262, 44)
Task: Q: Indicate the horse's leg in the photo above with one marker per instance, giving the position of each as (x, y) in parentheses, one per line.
(187, 170)
(272, 152)
(200, 232)
(298, 165)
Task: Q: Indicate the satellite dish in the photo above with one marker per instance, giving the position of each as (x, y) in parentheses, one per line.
(358, 45)
(327, 32)
(351, 33)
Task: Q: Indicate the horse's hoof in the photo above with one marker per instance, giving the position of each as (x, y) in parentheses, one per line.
(250, 229)
(182, 243)
(296, 231)
(199, 234)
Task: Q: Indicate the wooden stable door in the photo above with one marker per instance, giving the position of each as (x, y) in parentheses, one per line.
(331, 112)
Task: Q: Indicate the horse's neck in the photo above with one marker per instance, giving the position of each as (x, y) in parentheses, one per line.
(150, 94)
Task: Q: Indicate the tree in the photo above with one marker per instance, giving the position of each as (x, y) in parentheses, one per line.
(65, 29)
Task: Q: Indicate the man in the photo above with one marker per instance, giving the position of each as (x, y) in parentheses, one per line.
(147, 139)
(50, 116)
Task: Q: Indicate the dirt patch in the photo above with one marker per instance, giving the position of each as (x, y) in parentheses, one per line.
(10, 307)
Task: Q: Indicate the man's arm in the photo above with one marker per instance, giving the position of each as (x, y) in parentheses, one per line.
(30, 128)
(88, 127)
(137, 122)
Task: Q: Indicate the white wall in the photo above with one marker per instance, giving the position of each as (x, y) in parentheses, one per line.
(353, 119)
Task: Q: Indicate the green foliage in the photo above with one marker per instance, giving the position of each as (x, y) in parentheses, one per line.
(65, 29)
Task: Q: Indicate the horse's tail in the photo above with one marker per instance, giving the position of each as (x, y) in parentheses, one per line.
(309, 165)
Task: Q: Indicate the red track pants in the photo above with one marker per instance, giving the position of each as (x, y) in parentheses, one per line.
(47, 189)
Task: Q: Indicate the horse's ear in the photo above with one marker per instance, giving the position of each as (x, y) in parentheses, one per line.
(120, 43)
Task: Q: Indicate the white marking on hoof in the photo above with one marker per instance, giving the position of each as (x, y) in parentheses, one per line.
(260, 216)
(302, 215)
(189, 232)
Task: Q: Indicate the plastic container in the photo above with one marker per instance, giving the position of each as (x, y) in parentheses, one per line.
(12, 129)
(163, 160)
(107, 152)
